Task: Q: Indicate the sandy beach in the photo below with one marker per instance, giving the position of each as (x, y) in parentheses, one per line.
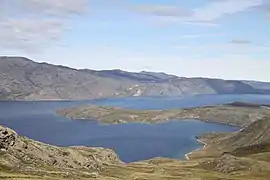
(204, 146)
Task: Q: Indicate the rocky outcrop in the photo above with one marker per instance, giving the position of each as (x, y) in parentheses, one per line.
(226, 164)
(7, 138)
(18, 151)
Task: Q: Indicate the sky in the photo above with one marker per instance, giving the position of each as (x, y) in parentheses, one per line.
(227, 39)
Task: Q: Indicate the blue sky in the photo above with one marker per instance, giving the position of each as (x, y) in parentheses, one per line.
(227, 39)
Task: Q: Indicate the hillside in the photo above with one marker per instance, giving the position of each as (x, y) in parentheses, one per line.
(19, 153)
(257, 134)
(233, 153)
(24, 79)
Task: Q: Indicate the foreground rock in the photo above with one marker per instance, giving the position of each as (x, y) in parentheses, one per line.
(239, 114)
(23, 153)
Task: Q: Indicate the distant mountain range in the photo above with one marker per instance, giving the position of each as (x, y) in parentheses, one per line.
(24, 79)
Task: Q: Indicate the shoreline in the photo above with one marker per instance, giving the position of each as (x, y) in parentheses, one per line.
(204, 144)
(201, 142)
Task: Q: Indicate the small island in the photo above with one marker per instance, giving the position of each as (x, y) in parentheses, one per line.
(236, 113)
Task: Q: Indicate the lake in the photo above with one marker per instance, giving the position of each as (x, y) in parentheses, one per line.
(132, 142)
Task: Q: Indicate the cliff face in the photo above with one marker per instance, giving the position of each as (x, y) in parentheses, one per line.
(24, 79)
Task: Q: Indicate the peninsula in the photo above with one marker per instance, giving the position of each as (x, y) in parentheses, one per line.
(237, 114)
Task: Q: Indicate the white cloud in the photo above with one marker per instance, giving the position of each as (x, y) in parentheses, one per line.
(42, 7)
(241, 41)
(200, 23)
(265, 8)
(29, 34)
(244, 42)
(195, 36)
(32, 24)
(219, 8)
(233, 44)
(162, 10)
(206, 15)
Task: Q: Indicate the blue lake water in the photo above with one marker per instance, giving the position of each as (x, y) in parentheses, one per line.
(132, 142)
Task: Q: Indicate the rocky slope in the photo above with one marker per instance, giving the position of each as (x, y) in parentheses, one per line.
(24, 79)
(256, 136)
(238, 152)
(16, 151)
(239, 114)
